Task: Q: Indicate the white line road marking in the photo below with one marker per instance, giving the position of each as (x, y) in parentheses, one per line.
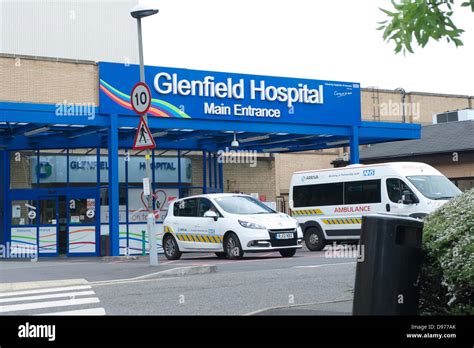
(43, 297)
(47, 304)
(89, 311)
(327, 264)
(44, 290)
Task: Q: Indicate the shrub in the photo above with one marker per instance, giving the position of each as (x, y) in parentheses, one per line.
(447, 271)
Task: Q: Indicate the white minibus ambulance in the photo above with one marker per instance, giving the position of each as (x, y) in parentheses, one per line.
(329, 204)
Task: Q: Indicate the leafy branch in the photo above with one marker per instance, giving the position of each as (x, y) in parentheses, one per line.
(422, 20)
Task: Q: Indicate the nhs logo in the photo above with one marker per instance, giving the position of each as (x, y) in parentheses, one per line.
(369, 172)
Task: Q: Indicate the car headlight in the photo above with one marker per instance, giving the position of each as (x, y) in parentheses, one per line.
(252, 225)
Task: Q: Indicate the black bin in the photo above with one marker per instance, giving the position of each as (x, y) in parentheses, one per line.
(386, 280)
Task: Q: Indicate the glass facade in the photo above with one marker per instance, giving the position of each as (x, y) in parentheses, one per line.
(70, 196)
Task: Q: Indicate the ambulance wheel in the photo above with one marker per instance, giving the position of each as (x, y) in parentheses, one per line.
(232, 247)
(314, 239)
(288, 252)
(170, 247)
(221, 255)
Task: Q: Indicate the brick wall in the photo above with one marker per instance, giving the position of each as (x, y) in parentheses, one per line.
(241, 177)
(259, 179)
(20, 171)
(287, 164)
(463, 168)
(420, 107)
(37, 81)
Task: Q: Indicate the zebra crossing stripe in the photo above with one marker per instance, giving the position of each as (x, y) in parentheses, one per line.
(44, 290)
(47, 304)
(48, 296)
(88, 311)
(51, 298)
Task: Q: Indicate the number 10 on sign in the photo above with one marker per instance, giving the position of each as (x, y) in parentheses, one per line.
(140, 98)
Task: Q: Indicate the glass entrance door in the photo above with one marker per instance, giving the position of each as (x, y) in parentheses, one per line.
(83, 223)
(23, 226)
(48, 225)
(34, 225)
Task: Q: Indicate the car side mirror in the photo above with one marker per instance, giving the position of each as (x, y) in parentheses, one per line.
(211, 214)
(409, 197)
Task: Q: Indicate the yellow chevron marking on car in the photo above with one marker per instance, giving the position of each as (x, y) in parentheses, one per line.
(342, 221)
(198, 238)
(168, 229)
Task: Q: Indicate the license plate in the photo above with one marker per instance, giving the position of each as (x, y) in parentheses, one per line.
(284, 236)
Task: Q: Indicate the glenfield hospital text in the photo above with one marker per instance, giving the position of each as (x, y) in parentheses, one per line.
(165, 84)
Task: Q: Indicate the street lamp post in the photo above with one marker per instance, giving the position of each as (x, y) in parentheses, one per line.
(139, 12)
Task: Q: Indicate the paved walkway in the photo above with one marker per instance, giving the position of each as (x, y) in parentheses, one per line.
(343, 307)
(71, 269)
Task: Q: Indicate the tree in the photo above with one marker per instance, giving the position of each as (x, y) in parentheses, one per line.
(422, 19)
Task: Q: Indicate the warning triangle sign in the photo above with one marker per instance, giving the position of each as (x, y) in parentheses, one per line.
(143, 138)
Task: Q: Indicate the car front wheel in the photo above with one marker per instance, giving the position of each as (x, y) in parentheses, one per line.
(233, 248)
(171, 249)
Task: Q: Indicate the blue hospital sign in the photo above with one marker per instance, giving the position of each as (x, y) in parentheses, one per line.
(196, 94)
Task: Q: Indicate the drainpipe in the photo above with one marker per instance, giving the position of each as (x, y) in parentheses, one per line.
(403, 93)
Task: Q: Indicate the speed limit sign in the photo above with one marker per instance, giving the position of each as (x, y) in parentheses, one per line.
(140, 98)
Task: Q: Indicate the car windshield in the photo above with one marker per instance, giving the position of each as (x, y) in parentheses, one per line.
(436, 187)
(243, 205)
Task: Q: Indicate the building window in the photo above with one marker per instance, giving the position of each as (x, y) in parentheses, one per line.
(464, 184)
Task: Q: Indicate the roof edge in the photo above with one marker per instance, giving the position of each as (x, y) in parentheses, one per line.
(47, 59)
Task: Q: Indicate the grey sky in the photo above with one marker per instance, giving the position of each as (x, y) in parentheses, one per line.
(321, 39)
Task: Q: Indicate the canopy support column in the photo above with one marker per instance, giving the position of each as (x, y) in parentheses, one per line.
(114, 187)
(354, 144)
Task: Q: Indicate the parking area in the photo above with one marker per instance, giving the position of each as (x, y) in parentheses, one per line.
(259, 261)
(103, 269)
(308, 283)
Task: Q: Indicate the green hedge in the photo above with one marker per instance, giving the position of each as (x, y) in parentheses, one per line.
(447, 272)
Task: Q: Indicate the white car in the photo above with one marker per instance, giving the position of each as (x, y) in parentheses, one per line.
(228, 225)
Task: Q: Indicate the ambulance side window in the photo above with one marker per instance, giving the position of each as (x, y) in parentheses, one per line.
(395, 188)
(362, 192)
